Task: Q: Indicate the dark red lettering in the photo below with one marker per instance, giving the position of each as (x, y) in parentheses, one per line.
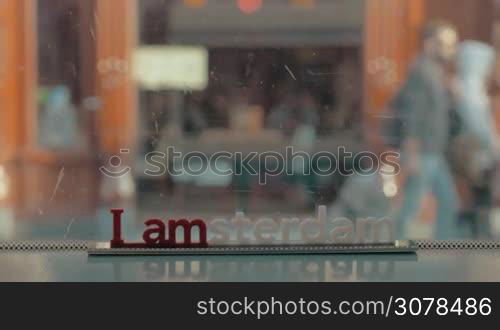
(155, 235)
(117, 240)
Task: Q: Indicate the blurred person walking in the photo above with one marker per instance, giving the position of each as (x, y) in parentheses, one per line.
(474, 150)
(281, 115)
(425, 100)
(304, 139)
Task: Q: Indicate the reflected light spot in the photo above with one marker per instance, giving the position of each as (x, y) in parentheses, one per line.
(249, 6)
(195, 4)
(4, 187)
(390, 189)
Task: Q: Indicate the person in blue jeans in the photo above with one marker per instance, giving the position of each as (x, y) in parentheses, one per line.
(432, 175)
(476, 139)
(427, 104)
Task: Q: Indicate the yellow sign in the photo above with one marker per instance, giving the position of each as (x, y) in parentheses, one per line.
(171, 67)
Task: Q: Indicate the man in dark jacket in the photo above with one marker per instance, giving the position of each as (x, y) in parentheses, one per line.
(427, 130)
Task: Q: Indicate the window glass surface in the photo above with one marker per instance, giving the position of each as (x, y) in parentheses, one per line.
(370, 119)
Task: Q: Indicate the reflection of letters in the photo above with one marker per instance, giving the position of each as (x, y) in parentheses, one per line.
(154, 270)
(297, 269)
(313, 270)
(176, 269)
(342, 268)
(369, 270)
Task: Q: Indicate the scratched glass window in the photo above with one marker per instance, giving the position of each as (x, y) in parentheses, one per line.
(307, 121)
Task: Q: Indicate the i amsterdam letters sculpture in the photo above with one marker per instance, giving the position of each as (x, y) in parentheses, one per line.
(161, 238)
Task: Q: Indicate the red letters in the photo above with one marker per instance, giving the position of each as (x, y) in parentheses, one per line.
(159, 231)
(187, 227)
(117, 240)
(155, 232)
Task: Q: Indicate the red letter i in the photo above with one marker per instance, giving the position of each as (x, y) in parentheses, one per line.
(117, 240)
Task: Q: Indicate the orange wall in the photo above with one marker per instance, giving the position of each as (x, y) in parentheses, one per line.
(390, 43)
(116, 28)
(17, 77)
(473, 18)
